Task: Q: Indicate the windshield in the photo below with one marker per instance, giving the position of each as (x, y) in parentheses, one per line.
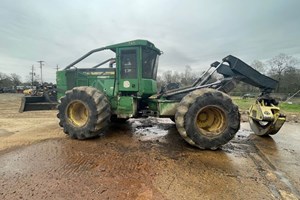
(150, 63)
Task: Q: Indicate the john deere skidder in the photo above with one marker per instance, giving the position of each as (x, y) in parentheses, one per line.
(204, 114)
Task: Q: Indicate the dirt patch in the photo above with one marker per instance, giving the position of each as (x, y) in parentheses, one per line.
(5, 133)
(118, 166)
(17, 129)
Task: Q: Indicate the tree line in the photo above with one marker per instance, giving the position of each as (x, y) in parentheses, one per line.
(183, 78)
(9, 81)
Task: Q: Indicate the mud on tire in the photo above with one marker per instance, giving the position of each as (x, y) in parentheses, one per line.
(207, 118)
(84, 112)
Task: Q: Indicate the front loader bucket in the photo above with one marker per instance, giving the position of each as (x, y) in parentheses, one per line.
(36, 103)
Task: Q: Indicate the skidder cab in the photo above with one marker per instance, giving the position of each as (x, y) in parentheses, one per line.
(130, 77)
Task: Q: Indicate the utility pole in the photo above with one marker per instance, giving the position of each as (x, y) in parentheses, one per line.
(56, 68)
(41, 66)
(32, 75)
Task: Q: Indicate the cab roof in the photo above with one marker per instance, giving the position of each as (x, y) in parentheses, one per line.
(134, 43)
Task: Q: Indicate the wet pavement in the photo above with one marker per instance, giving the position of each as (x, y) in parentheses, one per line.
(142, 159)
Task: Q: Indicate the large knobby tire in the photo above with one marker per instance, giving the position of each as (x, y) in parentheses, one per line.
(84, 112)
(207, 118)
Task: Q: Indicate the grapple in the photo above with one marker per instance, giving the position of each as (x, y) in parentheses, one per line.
(265, 117)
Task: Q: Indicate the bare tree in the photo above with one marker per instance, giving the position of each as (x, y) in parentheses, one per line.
(259, 66)
(171, 77)
(16, 79)
(181, 78)
(290, 80)
(5, 80)
(279, 64)
(167, 77)
(188, 77)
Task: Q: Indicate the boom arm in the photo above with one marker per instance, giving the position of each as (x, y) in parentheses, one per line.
(243, 72)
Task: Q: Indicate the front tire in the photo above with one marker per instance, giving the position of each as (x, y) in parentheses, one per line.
(84, 112)
(207, 118)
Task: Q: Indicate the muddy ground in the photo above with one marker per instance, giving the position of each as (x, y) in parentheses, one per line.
(141, 159)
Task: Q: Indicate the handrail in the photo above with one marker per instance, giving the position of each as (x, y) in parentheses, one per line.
(84, 56)
(106, 61)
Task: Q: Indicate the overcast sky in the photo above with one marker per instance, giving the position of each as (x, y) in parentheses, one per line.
(190, 32)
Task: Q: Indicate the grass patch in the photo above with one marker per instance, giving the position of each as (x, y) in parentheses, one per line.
(244, 104)
(290, 107)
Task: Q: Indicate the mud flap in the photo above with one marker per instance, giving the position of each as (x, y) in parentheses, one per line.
(32, 103)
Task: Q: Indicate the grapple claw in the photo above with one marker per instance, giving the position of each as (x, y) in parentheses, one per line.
(262, 128)
(265, 118)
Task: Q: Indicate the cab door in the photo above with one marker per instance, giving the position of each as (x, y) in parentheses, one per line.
(128, 69)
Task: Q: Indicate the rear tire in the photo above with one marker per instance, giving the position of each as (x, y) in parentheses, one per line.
(84, 112)
(207, 118)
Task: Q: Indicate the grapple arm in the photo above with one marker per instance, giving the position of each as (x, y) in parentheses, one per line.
(239, 70)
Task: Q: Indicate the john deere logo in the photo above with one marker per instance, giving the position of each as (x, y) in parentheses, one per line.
(126, 84)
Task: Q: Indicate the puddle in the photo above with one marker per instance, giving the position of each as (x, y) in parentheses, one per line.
(150, 128)
(243, 133)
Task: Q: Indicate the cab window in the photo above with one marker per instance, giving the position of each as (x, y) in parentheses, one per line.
(129, 63)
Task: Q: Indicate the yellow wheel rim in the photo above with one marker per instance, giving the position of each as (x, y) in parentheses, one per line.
(211, 121)
(77, 113)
